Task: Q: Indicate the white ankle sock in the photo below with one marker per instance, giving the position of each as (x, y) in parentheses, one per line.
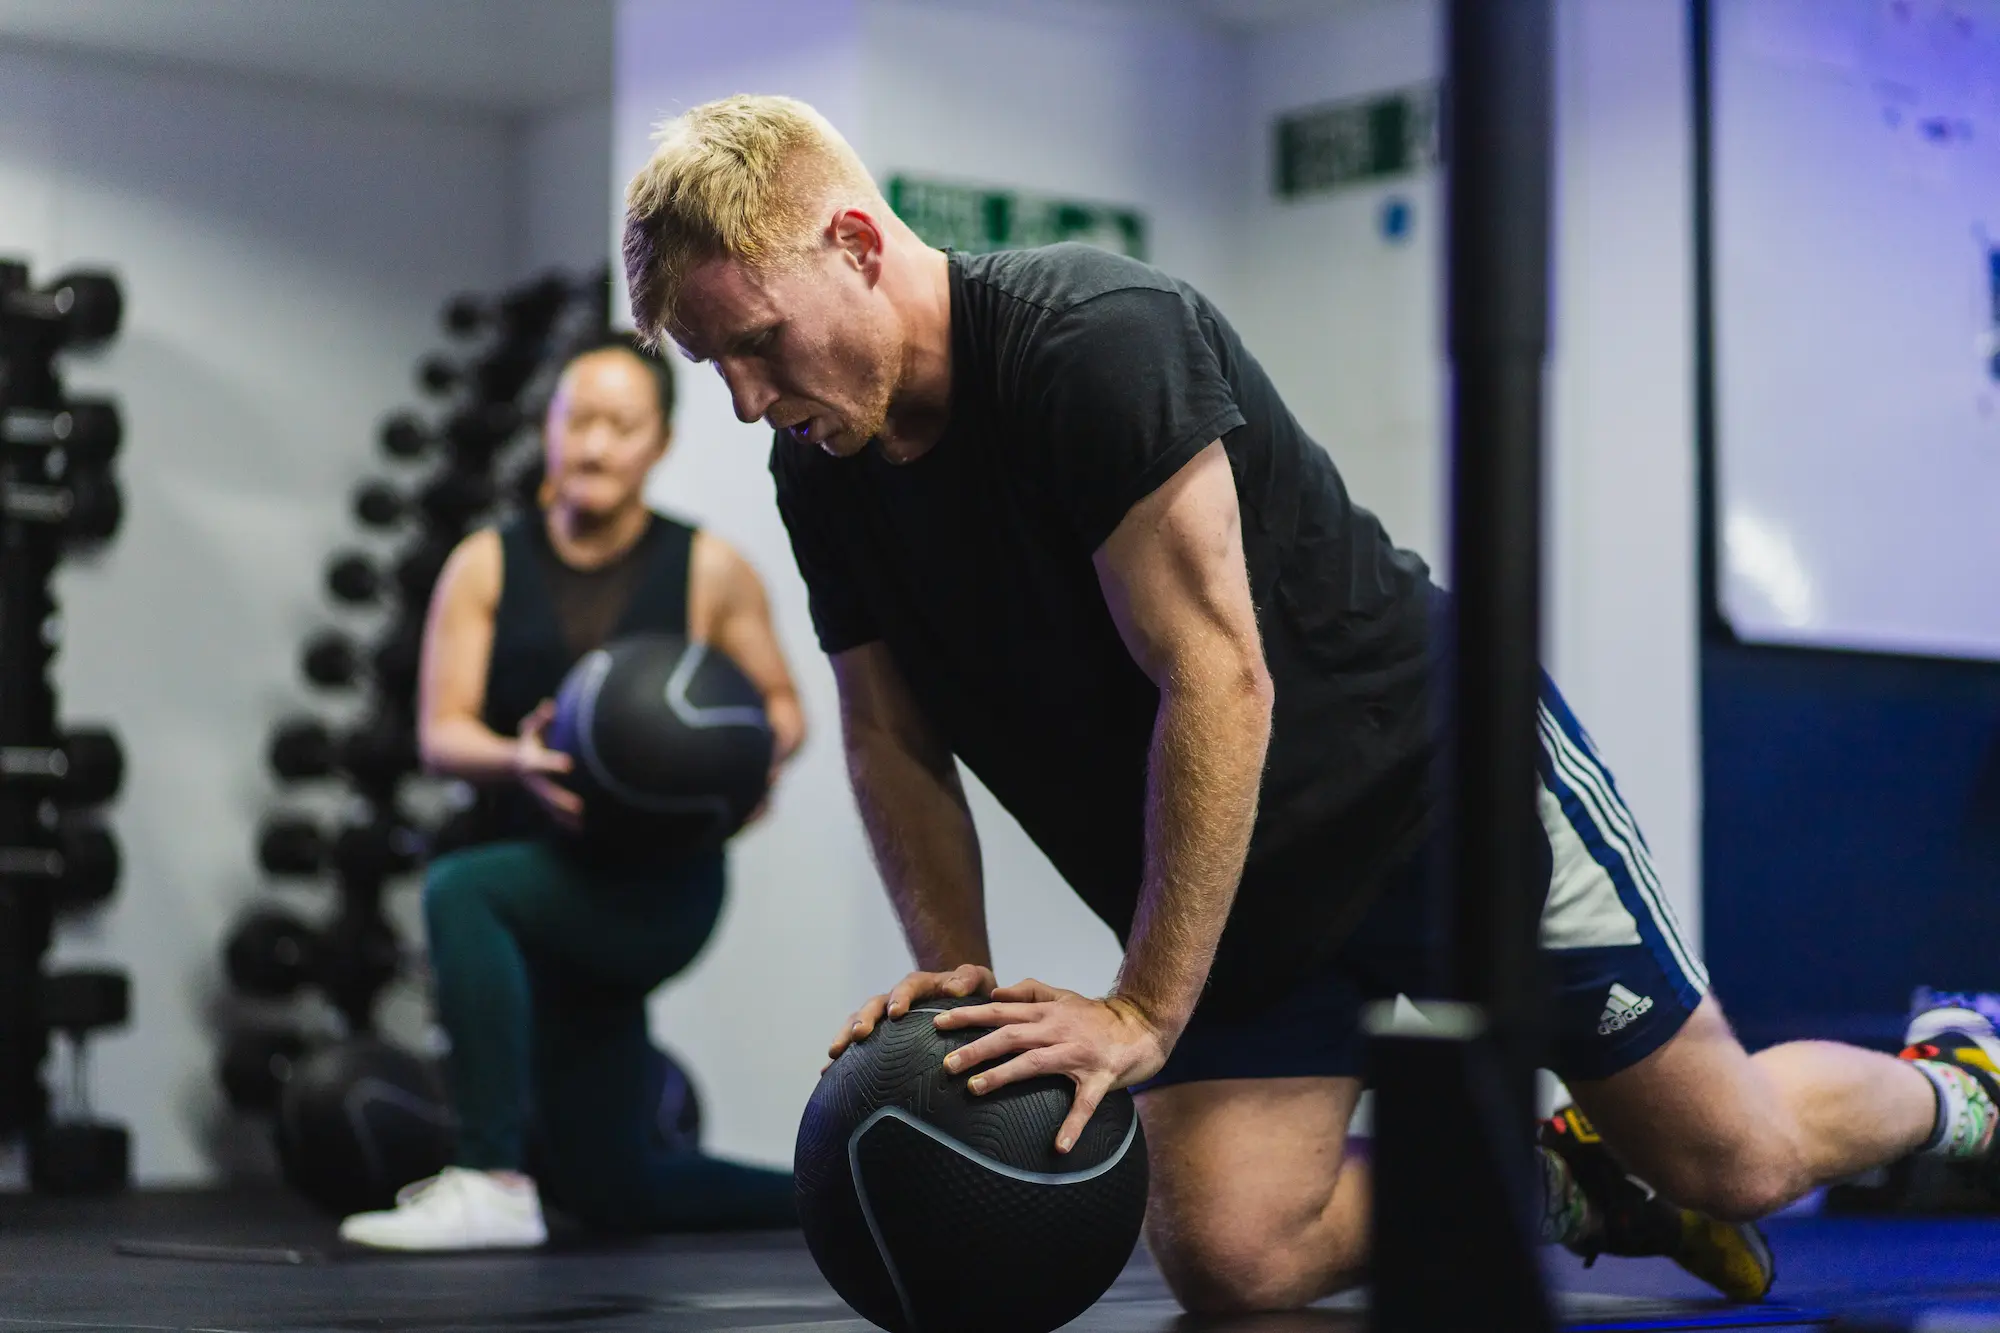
(1966, 1114)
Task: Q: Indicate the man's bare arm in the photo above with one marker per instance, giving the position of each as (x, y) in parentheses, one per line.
(1174, 576)
(913, 805)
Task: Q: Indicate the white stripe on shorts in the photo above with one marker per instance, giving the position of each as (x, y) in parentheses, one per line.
(1615, 825)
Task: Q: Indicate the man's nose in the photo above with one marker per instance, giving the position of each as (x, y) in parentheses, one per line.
(750, 393)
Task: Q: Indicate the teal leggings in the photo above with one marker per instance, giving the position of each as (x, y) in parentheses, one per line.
(542, 967)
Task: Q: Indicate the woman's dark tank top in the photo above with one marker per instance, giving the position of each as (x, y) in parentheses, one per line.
(551, 614)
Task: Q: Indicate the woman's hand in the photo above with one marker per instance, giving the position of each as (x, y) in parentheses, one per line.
(535, 767)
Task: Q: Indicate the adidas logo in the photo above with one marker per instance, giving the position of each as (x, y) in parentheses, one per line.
(1621, 1007)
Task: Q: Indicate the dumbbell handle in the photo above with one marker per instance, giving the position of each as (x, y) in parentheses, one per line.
(37, 504)
(93, 424)
(33, 862)
(34, 761)
(49, 306)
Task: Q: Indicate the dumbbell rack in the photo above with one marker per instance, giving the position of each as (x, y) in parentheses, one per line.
(272, 954)
(56, 492)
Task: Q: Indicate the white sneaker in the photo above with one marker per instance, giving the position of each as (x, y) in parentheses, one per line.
(456, 1209)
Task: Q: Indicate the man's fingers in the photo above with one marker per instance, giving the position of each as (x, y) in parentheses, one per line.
(1028, 992)
(990, 1015)
(1088, 1094)
(1001, 1041)
(1029, 1064)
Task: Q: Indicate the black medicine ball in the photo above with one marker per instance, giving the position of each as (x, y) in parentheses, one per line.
(359, 1120)
(929, 1208)
(671, 744)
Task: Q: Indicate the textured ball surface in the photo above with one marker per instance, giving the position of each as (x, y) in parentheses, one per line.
(670, 740)
(359, 1120)
(928, 1208)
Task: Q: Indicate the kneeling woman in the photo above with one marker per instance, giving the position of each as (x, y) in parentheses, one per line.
(543, 961)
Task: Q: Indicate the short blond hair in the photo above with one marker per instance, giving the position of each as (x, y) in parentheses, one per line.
(745, 177)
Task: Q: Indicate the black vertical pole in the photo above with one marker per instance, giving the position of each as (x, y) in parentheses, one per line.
(1456, 1195)
(1498, 257)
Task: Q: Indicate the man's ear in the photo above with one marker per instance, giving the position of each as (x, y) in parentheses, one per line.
(857, 235)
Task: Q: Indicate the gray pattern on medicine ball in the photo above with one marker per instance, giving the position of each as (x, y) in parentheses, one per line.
(669, 738)
(929, 1208)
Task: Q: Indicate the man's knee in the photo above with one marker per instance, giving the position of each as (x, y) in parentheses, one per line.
(1223, 1263)
(1740, 1183)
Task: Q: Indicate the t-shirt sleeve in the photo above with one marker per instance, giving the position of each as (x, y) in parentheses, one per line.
(1122, 391)
(839, 613)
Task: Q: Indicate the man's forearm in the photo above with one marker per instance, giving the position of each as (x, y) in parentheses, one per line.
(925, 846)
(1206, 763)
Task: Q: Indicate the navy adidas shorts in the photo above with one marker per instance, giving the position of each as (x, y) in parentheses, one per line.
(1624, 979)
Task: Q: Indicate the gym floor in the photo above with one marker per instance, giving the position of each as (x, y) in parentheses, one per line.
(70, 1264)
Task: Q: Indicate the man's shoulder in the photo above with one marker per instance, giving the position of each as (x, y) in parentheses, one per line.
(1057, 279)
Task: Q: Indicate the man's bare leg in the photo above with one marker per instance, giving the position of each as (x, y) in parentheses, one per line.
(1741, 1136)
(1254, 1204)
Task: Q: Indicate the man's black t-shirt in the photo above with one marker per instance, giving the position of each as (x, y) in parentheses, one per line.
(1080, 382)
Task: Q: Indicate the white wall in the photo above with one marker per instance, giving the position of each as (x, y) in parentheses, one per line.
(283, 256)
(1347, 322)
(1622, 636)
(562, 175)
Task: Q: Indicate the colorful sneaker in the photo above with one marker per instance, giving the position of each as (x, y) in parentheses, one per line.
(1960, 1036)
(1637, 1221)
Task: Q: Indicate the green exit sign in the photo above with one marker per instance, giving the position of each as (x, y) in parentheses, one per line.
(973, 218)
(1346, 143)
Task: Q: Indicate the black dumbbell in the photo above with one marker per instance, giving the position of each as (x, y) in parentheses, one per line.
(381, 750)
(475, 434)
(331, 660)
(405, 436)
(86, 766)
(83, 1000)
(270, 953)
(78, 867)
(79, 1157)
(254, 1065)
(437, 375)
(77, 1154)
(85, 506)
(88, 430)
(291, 845)
(419, 566)
(533, 306)
(358, 955)
(84, 306)
(465, 314)
(373, 850)
(301, 749)
(351, 577)
(454, 497)
(398, 658)
(379, 505)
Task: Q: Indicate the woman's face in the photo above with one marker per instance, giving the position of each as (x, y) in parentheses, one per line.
(603, 434)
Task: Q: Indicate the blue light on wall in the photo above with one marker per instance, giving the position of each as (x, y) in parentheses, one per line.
(1398, 220)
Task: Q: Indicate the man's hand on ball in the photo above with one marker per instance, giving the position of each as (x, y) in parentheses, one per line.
(536, 767)
(966, 979)
(1097, 1044)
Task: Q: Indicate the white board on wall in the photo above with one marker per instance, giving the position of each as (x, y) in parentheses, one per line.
(1857, 322)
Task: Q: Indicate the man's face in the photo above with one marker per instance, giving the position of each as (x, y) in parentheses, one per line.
(603, 433)
(810, 348)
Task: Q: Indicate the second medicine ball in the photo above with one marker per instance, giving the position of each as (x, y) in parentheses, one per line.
(360, 1119)
(671, 744)
(905, 1178)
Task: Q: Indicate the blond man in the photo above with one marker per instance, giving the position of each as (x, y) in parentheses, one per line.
(1057, 524)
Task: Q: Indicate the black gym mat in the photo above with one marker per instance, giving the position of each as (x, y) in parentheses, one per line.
(268, 1264)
